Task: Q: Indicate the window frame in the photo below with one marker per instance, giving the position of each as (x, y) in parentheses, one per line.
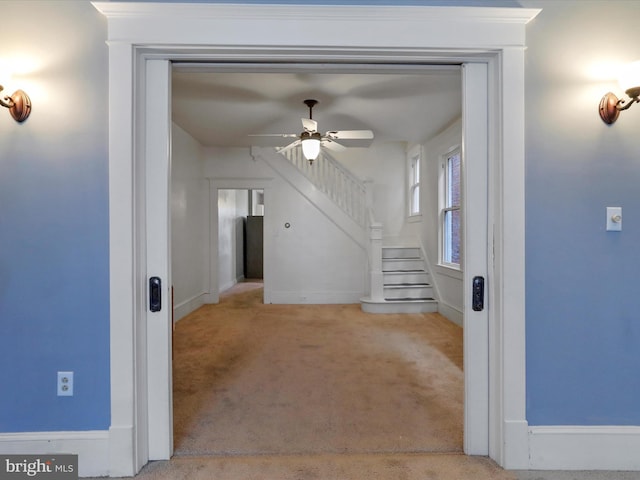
(444, 208)
(414, 157)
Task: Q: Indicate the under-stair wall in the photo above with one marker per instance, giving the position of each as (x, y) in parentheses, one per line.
(309, 258)
(333, 191)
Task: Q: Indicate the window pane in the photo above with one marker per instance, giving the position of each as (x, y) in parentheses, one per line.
(415, 200)
(452, 236)
(453, 181)
(414, 186)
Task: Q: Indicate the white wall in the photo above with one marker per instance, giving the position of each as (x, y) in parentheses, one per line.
(312, 261)
(232, 208)
(242, 210)
(384, 163)
(189, 224)
(449, 282)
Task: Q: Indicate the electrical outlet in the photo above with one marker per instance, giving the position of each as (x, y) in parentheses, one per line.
(65, 384)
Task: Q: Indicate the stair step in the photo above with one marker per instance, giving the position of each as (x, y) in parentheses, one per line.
(402, 264)
(399, 306)
(401, 252)
(411, 299)
(416, 291)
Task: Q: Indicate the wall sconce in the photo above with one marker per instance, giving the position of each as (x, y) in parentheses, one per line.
(610, 105)
(19, 104)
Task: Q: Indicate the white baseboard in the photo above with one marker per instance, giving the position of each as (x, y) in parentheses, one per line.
(584, 448)
(451, 313)
(313, 298)
(183, 309)
(515, 450)
(92, 448)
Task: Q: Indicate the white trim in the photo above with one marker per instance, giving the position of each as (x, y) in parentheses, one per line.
(413, 152)
(584, 448)
(506, 294)
(452, 313)
(189, 305)
(450, 272)
(92, 447)
(443, 189)
(365, 35)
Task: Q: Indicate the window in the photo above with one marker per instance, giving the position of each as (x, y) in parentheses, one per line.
(451, 225)
(414, 181)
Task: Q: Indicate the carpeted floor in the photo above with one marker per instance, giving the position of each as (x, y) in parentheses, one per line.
(254, 379)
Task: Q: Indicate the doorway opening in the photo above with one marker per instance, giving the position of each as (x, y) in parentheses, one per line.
(231, 204)
(240, 228)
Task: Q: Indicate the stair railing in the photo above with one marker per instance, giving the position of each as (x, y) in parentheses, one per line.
(339, 184)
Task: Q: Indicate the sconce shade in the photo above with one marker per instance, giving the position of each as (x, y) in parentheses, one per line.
(310, 145)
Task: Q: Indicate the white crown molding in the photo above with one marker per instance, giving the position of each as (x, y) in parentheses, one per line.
(387, 13)
(160, 22)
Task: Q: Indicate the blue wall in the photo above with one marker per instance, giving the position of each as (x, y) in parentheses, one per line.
(54, 284)
(583, 327)
(581, 313)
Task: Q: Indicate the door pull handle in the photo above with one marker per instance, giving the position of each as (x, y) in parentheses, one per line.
(155, 294)
(477, 293)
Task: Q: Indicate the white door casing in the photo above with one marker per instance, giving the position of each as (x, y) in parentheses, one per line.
(145, 37)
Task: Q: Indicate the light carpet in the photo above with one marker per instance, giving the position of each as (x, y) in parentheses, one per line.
(255, 379)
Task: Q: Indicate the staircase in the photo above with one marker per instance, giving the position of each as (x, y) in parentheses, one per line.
(399, 278)
(406, 286)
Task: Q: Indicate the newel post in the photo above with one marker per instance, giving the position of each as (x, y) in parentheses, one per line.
(375, 261)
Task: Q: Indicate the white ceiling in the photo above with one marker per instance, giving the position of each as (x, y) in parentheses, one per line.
(224, 108)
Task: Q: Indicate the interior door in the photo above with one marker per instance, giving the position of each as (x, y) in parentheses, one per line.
(476, 247)
(157, 155)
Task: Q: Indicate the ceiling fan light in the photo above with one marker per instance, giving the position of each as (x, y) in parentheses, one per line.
(311, 146)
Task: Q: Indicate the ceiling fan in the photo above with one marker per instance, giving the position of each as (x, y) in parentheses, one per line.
(311, 140)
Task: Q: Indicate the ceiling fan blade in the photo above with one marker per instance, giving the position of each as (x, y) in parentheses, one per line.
(289, 147)
(310, 125)
(281, 135)
(351, 134)
(333, 145)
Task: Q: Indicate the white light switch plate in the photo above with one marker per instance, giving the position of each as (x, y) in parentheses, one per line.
(614, 219)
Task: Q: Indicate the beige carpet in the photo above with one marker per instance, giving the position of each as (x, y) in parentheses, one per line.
(254, 379)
